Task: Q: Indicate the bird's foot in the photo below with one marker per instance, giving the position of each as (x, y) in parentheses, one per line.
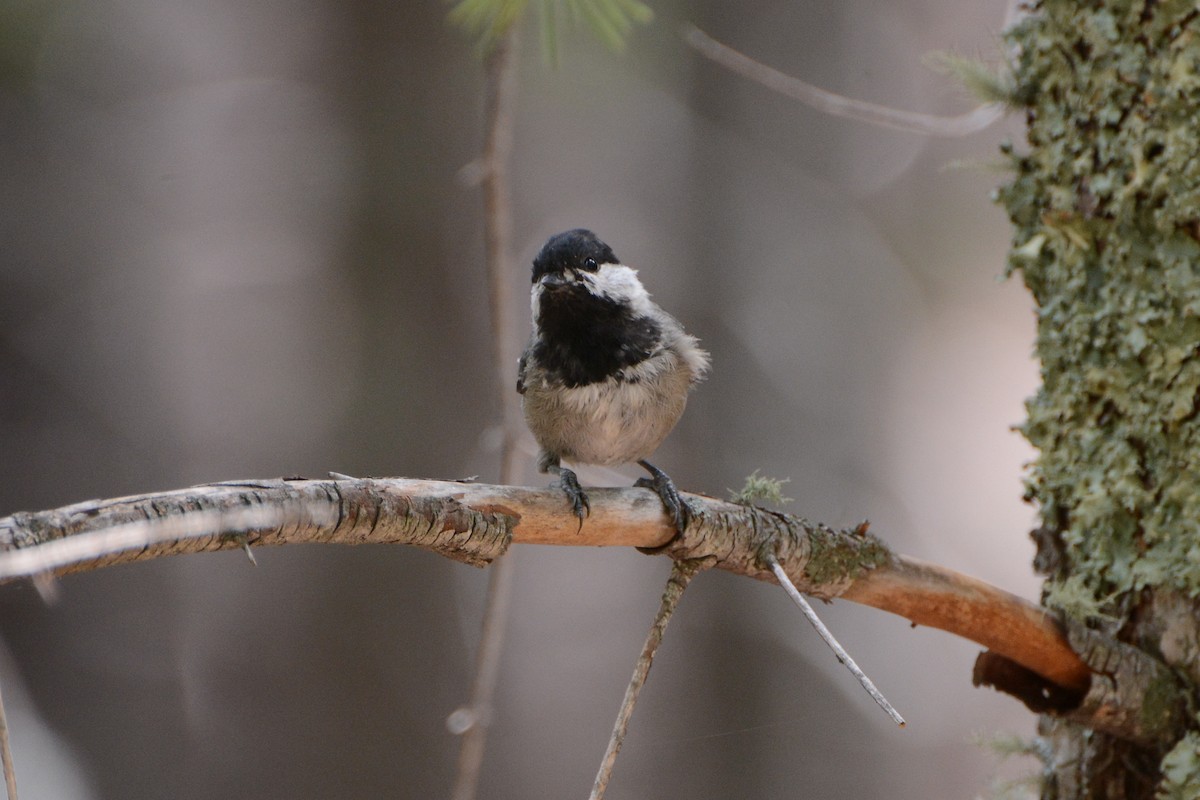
(677, 508)
(574, 492)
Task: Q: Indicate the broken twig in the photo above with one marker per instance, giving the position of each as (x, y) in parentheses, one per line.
(833, 643)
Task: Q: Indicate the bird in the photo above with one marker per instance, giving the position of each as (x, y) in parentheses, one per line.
(606, 373)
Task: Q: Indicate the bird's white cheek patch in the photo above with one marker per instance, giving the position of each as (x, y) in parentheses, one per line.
(619, 282)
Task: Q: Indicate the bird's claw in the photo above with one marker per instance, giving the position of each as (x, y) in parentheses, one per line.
(575, 494)
(662, 485)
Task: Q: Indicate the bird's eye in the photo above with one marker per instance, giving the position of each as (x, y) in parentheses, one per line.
(590, 265)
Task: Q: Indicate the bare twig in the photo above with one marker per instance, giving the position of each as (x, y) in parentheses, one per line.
(835, 104)
(6, 759)
(682, 573)
(833, 643)
(497, 205)
(473, 719)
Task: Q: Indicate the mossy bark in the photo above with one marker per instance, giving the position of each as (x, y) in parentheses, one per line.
(1106, 204)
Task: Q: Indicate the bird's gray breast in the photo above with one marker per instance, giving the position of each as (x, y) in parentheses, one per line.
(621, 419)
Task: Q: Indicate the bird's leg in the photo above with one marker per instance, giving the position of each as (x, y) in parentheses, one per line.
(664, 487)
(570, 486)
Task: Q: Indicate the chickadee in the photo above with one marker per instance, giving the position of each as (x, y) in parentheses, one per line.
(606, 374)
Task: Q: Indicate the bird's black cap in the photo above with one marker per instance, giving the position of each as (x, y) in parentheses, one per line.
(572, 250)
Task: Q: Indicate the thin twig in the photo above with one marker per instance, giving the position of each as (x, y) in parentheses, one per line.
(682, 573)
(833, 643)
(836, 104)
(473, 720)
(6, 759)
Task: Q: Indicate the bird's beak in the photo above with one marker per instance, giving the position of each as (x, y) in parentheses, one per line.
(555, 281)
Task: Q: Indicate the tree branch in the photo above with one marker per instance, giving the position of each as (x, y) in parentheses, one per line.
(471, 720)
(835, 104)
(476, 523)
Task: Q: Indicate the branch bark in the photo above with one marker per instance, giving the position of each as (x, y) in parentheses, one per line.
(476, 523)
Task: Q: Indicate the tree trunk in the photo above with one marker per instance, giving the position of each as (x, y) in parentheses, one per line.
(1106, 204)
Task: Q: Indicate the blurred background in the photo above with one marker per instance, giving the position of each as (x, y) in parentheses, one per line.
(236, 245)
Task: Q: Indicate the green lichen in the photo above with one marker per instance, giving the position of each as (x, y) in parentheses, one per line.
(1106, 208)
(1072, 597)
(837, 555)
(1160, 703)
(1181, 770)
(760, 489)
(1106, 204)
